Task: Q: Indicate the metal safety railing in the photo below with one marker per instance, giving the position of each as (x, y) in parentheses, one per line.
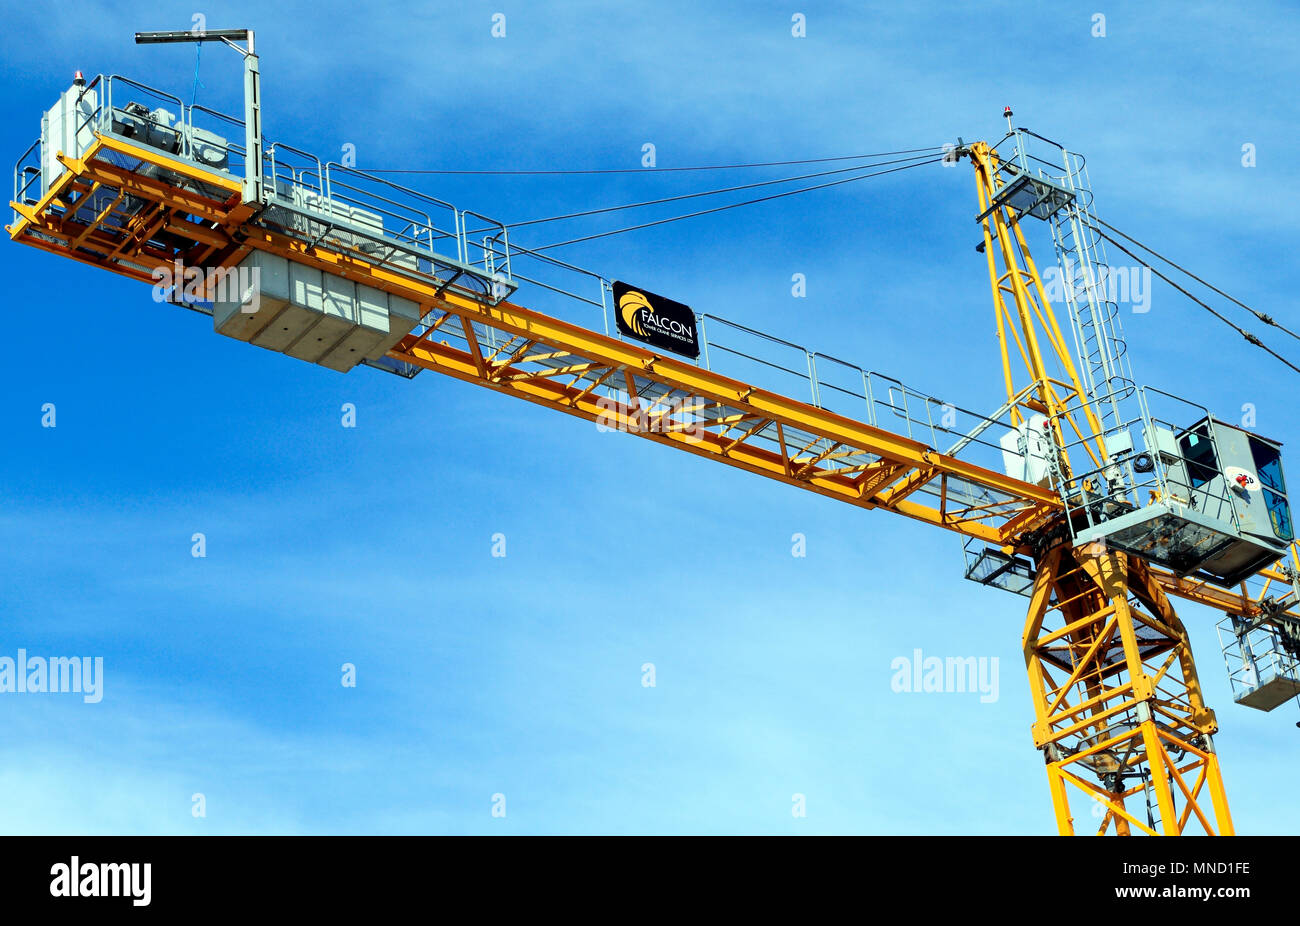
(404, 220)
(1142, 467)
(27, 176)
(1261, 671)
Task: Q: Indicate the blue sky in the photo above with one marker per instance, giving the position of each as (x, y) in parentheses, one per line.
(521, 675)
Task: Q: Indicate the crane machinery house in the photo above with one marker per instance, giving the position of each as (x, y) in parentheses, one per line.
(299, 309)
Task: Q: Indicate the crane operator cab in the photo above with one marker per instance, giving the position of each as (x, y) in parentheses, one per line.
(1208, 499)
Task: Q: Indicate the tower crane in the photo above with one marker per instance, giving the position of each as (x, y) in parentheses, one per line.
(1097, 500)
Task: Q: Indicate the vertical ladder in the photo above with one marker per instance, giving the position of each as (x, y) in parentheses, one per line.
(1089, 286)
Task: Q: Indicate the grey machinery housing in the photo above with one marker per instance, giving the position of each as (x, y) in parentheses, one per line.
(1218, 504)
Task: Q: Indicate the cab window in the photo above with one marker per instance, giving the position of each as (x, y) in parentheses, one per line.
(1268, 467)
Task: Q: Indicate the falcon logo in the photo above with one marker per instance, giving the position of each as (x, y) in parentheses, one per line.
(655, 320)
(630, 306)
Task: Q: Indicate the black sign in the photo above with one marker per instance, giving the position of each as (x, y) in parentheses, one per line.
(655, 320)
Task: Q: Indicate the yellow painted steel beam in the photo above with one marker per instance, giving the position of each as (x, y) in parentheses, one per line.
(603, 351)
(582, 403)
(161, 159)
(111, 249)
(149, 188)
(1020, 299)
(36, 214)
(1128, 720)
(134, 273)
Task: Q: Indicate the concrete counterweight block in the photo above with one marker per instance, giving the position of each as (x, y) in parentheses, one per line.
(370, 310)
(305, 300)
(402, 314)
(309, 314)
(260, 283)
(335, 317)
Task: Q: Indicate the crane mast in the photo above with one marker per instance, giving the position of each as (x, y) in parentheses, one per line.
(1118, 709)
(1053, 494)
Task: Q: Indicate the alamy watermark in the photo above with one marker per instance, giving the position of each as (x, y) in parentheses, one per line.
(946, 675)
(678, 415)
(75, 878)
(53, 675)
(176, 282)
(1120, 285)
